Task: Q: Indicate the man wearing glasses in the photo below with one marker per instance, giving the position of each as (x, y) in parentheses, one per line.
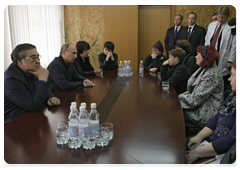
(25, 83)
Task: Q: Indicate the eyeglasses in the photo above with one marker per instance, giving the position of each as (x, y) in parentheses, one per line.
(34, 58)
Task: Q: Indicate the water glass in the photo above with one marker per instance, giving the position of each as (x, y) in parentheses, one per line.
(89, 142)
(103, 138)
(62, 136)
(165, 85)
(110, 128)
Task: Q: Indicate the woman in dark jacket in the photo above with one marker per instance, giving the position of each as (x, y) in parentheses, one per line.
(82, 63)
(154, 61)
(189, 60)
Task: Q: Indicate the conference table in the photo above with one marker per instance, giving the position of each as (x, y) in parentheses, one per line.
(148, 125)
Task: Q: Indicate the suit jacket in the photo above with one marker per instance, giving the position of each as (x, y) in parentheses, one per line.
(178, 76)
(224, 47)
(18, 96)
(62, 76)
(197, 37)
(170, 39)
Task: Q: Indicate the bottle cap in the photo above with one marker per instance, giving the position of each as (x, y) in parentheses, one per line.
(74, 104)
(93, 105)
(82, 108)
(84, 104)
(120, 61)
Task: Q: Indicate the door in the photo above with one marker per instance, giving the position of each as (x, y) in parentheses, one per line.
(153, 22)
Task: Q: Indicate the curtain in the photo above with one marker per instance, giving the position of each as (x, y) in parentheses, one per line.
(40, 25)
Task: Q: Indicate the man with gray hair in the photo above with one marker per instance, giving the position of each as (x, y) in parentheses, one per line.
(63, 74)
(219, 36)
(25, 83)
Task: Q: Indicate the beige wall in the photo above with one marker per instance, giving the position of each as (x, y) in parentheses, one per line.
(88, 17)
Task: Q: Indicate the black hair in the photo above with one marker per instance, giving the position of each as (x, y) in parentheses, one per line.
(82, 46)
(19, 52)
(109, 45)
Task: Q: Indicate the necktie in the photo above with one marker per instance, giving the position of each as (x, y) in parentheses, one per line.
(214, 40)
(189, 32)
(175, 33)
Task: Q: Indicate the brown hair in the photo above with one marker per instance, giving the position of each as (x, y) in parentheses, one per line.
(177, 53)
(223, 10)
(185, 45)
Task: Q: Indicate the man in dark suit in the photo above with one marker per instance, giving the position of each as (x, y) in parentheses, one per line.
(172, 33)
(62, 73)
(193, 33)
(25, 83)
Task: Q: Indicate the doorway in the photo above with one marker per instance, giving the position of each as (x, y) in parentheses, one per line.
(153, 22)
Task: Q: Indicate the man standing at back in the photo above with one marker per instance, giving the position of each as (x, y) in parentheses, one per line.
(25, 83)
(193, 33)
(172, 33)
(219, 35)
(63, 74)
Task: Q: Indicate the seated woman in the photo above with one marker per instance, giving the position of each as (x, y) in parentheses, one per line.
(178, 74)
(82, 64)
(204, 94)
(108, 60)
(154, 61)
(189, 60)
(221, 129)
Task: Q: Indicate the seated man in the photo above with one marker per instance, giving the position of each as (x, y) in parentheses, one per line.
(178, 74)
(154, 61)
(25, 83)
(63, 74)
(108, 60)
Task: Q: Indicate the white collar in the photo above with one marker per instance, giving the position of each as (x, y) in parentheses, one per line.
(191, 26)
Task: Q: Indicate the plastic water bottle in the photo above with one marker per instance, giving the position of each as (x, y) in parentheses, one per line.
(125, 69)
(94, 120)
(141, 69)
(85, 130)
(74, 104)
(120, 69)
(85, 105)
(130, 72)
(94, 124)
(74, 141)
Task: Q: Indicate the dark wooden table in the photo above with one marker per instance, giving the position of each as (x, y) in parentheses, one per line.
(148, 125)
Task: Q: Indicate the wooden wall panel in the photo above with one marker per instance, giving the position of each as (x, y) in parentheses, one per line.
(153, 24)
(121, 27)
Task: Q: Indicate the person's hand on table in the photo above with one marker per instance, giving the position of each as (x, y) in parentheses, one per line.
(53, 101)
(88, 83)
(154, 69)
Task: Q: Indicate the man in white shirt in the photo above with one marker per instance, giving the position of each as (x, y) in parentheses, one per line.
(219, 35)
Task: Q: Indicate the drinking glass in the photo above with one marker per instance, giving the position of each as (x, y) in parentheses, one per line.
(165, 85)
(62, 136)
(110, 128)
(103, 139)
